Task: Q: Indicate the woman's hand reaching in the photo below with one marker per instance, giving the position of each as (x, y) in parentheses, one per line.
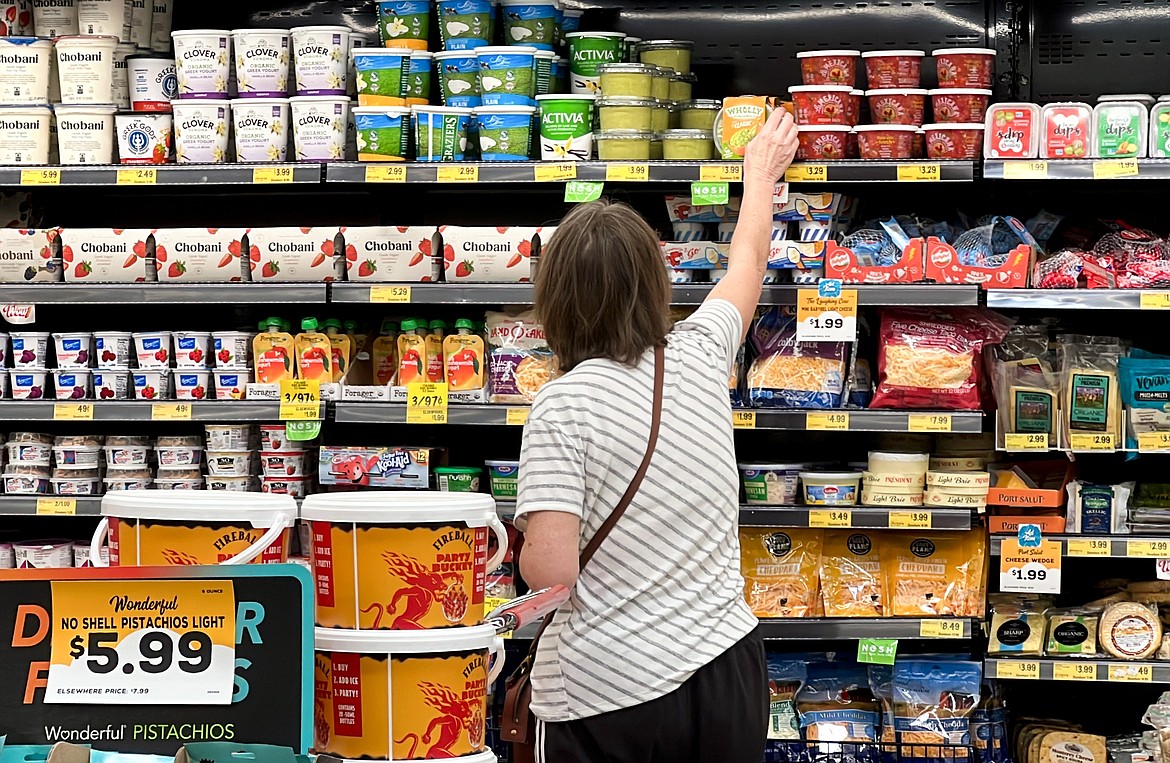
(772, 150)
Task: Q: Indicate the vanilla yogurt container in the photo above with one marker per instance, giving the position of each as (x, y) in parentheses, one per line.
(24, 134)
(121, 74)
(261, 129)
(262, 62)
(153, 82)
(24, 70)
(202, 62)
(104, 17)
(143, 138)
(319, 127)
(321, 59)
(201, 131)
(85, 69)
(85, 134)
(54, 18)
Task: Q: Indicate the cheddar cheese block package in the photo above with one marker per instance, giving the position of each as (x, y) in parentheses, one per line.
(781, 570)
(851, 580)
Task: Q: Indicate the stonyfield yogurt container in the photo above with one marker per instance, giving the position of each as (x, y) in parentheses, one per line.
(383, 133)
(153, 82)
(530, 22)
(418, 78)
(771, 484)
(464, 24)
(85, 69)
(893, 68)
(503, 478)
(589, 50)
(262, 60)
(319, 124)
(24, 134)
(566, 127)
(261, 127)
(55, 18)
(505, 133)
(202, 62)
(143, 138)
(381, 75)
(24, 70)
(320, 59)
(458, 72)
(201, 131)
(405, 23)
(440, 133)
(829, 67)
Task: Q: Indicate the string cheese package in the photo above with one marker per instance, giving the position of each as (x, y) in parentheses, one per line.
(790, 374)
(781, 570)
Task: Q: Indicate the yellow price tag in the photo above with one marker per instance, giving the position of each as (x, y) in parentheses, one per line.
(390, 295)
(930, 422)
(1027, 669)
(1087, 547)
(300, 400)
(830, 518)
(1155, 300)
(940, 629)
(636, 173)
(1016, 441)
(551, 173)
(743, 419)
(170, 412)
(458, 173)
(1074, 671)
(60, 507)
(1082, 441)
(139, 176)
(721, 173)
(73, 412)
(1025, 170)
(1148, 549)
(807, 173)
(905, 520)
(1153, 442)
(909, 173)
(386, 173)
(1136, 673)
(262, 175)
(821, 421)
(426, 403)
(491, 603)
(40, 177)
(517, 417)
(1107, 169)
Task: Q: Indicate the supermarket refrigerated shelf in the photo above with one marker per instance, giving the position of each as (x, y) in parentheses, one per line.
(851, 628)
(855, 517)
(1064, 299)
(1116, 671)
(161, 174)
(75, 411)
(50, 505)
(1103, 546)
(1077, 169)
(868, 171)
(167, 294)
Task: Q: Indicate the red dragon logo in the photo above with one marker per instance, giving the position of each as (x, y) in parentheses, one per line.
(423, 588)
(454, 715)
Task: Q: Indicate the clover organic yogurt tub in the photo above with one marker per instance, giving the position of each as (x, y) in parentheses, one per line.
(85, 69)
(24, 70)
(24, 134)
(202, 62)
(261, 127)
(321, 58)
(319, 126)
(201, 131)
(262, 58)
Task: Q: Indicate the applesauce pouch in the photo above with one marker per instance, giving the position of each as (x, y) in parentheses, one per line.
(272, 353)
(412, 352)
(341, 348)
(463, 354)
(738, 122)
(314, 352)
(435, 361)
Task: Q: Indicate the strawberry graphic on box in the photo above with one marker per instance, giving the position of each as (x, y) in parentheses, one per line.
(29, 256)
(392, 253)
(111, 255)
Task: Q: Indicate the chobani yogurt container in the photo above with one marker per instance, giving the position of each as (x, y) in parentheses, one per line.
(24, 134)
(201, 131)
(319, 125)
(85, 134)
(104, 17)
(85, 69)
(24, 70)
(262, 59)
(202, 61)
(121, 74)
(144, 138)
(261, 129)
(153, 82)
(320, 59)
(54, 18)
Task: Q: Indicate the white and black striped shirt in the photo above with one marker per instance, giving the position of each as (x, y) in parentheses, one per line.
(663, 596)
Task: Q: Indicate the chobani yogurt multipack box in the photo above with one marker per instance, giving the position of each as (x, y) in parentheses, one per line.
(501, 254)
(208, 255)
(391, 253)
(111, 255)
(26, 255)
(293, 254)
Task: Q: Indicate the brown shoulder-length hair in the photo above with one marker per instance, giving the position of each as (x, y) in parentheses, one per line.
(602, 290)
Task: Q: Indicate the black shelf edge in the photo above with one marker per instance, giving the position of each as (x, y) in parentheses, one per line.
(1064, 299)
(851, 628)
(1076, 169)
(164, 174)
(166, 293)
(26, 505)
(1104, 670)
(142, 410)
(1089, 546)
(861, 517)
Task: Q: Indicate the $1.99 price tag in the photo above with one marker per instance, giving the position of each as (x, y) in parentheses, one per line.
(827, 313)
(1028, 568)
(141, 642)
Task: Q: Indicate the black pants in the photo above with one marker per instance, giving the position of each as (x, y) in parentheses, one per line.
(719, 714)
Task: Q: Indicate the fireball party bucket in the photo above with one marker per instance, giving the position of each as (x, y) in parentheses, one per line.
(158, 528)
(402, 561)
(406, 695)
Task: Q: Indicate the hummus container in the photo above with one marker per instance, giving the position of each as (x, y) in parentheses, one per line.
(24, 70)
(627, 80)
(459, 77)
(229, 463)
(55, 18)
(293, 486)
(71, 384)
(85, 69)
(156, 529)
(143, 138)
(123, 456)
(771, 484)
(530, 22)
(178, 484)
(959, 105)
(687, 145)
(465, 24)
(681, 86)
(44, 554)
(429, 529)
(76, 486)
(85, 134)
(829, 67)
(1013, 131)
(320, 59)
(231, 383)
(104, 17)
(232, 484)
(282, 463)
(192, 348)
(1121, 129)
(261, 129)
(30, 349)
(192, 384)
(319, 125)
(404, 23)
(18, 484)
(897, 106)
(191, 455)
(965, 67)
(383, 133)
(262, 62)
(668, 54)
(823, 142)
(24, 134)
(231, 348)
(228, 436)
(503, 477)
(587, 52)
(698, 114)
(830, 488)
(505, 133)
(273, 440)
(821, 104)
(111, 384)
(619, 145)
(457, 479)
(382, 75)
(153, 349)
(954, 141)
(507, 75)
(886, 141)
(74, 350)
(201, 131)
(112, 348)
(893, 68)
(84, 457)
(152, 384)
(118, 484)
(153, 82)
(29, 453)
(27, 383)
(566, 127)
(202, 63)
(440, 133)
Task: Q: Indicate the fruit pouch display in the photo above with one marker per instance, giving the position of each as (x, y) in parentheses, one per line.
(1121, 129)
(202, 255)
(1012, 131)
(480, 254)
(519, 359)
(790, 374)
(397, 467)
(27, 256)
(293, 254)
(109, 255)
(387, 253)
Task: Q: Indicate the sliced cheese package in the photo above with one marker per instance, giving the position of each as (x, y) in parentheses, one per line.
(1072, 633)
(781, 570)
(1097, 509)
(1130, 631)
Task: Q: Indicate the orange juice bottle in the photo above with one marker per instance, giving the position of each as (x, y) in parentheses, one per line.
(314, 352)
(272, 353)
(412, 352)
(463, 354)
(438, 329)
(341, 347)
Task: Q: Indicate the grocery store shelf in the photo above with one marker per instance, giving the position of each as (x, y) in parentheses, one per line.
(1129, 671)
(28, 505)
(1077, 169)
(531, 172)
(867, 171)
(162, 174)
(1061, 299)
(1104, 546)
(138, 410)
(684, 294)
(167, 294)
(859, 517)
(849, 628)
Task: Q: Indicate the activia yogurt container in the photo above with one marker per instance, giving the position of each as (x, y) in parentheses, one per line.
(381, 75)
(505, 133)
(262, 61)
(24, 134)
(530, 22)
(54, 18)
(24, 70)
(201, 131)
(566, 127)
(320, 59)
(202, 62)
(458, 72)
(260, 129)
(383, 133)
(319, 125)
(85, 69)
(464, 24)
(153, 82)
(440, 133)
(143, 138)
(589, 50)
(405, 23)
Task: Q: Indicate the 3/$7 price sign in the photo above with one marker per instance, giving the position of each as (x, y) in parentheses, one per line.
(827, 313)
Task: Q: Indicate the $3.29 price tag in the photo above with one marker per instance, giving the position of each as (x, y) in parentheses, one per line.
(141, 642)
(827, 313)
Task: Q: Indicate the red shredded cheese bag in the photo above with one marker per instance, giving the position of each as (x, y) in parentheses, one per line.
(932, 359)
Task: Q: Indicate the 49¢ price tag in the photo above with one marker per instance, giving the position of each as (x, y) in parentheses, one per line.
(426, 403)
(1029, 568)
(300, 400)
(827, 313)
(141, 642)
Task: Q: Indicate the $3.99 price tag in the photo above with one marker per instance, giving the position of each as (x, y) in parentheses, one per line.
(131, 642)
(426, 403)
(827, 313)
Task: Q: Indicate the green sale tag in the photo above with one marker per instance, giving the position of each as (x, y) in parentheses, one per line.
(879, 651)
(580, 191)
(709, 193)
(302, 431)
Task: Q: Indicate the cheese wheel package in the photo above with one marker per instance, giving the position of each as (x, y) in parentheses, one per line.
(1130, 630)
(851, 581)
(781, 570)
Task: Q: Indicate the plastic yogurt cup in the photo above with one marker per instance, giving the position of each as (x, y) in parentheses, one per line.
(123, 51)
(458, 72)
(153, 82)
(187, 455)
(192, 348)
(262, 62)
(74, 349)
(29, 453)
(201, 131)
(382, 75)
(507, 75)
(202, 62)
(405, 23)
(320, 59)
(143, 138)
(152, 349)
(71, 384)
(24, 70)
(282, 463)
(104, 17)
(294, 486)
(85, 69)
(111, 383)
(228, 436)
(418, 78)
(319, 126)
(566, 127)
(229, 463)
(82, 457)
(231, 383)
(261, 129)
(30, 349)
(112, 348)
(273, 440)
(192, 384)
(24, 134)
(121, 456)
(85, 134)
(505, 133)
(464, 24)
(588, 51)
(27, 383)
(230, 348)
(152, 383)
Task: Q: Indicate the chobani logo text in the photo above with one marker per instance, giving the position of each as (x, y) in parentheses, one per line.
(78, 58)
(282, 246)
(80, 124)
(16, 58)
(182, 247)
(16, 124)
(52, 3)
(102, 248)
(13, 255)
(389, 246)
(485, 246)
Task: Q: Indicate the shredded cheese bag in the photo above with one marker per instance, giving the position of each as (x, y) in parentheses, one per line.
(926, 576)
(851, 580)
(933, 704)
(519, 359)
(791, 374)
(780, 570)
